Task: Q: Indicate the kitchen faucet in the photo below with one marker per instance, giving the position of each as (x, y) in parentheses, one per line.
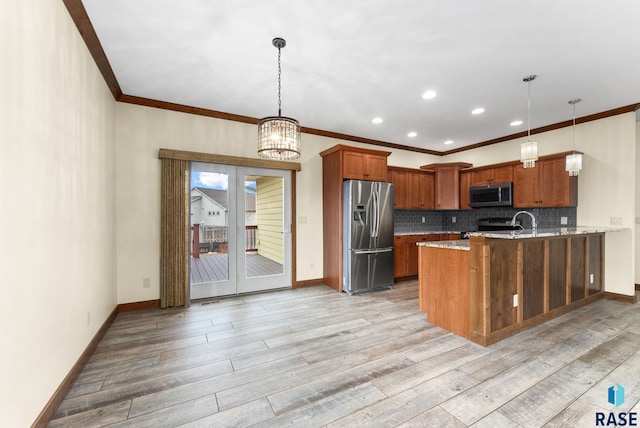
(533, 220)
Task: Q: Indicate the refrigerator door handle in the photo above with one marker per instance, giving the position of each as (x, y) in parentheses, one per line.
(375, 251)
(376, 212)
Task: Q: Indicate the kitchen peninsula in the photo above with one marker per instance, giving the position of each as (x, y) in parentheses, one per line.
(497, 284)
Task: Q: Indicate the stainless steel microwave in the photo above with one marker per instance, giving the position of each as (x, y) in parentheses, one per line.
(491, 195)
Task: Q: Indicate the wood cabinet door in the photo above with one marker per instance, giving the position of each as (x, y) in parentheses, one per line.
(353, 165)
(554, 183)
(400, 180)
(465, 182)
(399, 257)
(375, 168)
(412, 256)
(481, 177)
(447, 188)
(428, 201)
(525, 187)
(421, 191)
(503, 174)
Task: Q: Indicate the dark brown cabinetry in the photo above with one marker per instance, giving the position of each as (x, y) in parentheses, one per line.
(545, 185)
(421, 190)
(341, 163)
(406, 252)
(447, 184)
(465, 183)
(414, 189)
(496, 174)
(360, 165)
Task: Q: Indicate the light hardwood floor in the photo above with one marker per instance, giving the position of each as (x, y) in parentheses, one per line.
(312, 357)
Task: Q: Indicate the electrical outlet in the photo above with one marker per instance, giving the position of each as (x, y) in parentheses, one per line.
(423, 219)
(515, 300)
(146, 282)
(453, 219)
(591, 278)
(563, 220)
(616, 221)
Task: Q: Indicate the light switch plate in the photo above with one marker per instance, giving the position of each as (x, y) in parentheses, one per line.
(563, 220)
(515, 300)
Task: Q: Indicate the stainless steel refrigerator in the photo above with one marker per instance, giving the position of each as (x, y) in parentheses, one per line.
(367, 240)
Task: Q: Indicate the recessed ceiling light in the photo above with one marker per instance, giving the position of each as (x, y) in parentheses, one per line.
(412, 134)
(377, 120)
(516, 123)
(429, 94)
(478, 110)
(448, 142)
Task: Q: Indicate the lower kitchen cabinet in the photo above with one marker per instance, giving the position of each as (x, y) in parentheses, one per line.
(406, 253)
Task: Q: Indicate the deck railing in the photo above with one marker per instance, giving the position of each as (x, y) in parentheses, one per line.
(215, 238)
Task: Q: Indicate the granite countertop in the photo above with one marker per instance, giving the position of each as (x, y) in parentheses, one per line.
(458, 244)
(429, 232)
(543, 233)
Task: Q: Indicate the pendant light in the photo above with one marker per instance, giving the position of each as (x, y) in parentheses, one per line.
(279, 136)
(529, 150)
(574, 160)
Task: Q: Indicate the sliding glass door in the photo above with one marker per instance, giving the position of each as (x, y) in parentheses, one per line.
(240, 230)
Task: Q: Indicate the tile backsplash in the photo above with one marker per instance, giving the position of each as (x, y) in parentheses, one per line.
(412, 220)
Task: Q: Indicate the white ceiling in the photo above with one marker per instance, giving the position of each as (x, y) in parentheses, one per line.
(347, 62)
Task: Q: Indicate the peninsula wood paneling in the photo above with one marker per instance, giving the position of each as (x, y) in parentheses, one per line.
(594, 264)
(557, 273)
(532, 278)
(577, 269)
(502, 284)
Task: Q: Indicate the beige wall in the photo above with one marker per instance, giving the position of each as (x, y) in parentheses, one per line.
(141, 131)
(606, 188)
(57, 187)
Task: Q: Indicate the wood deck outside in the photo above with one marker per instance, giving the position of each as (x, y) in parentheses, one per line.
(311, 357)
(214, 267)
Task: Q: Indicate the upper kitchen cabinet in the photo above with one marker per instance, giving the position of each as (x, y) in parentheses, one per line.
(360, 164)
(495, 174)
(545, 185)
(465, 183)
(422, 190)
(414, 189)
(447, 184)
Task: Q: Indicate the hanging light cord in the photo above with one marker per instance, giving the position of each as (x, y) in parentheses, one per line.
(529, 112)
(574, 125)
(279, 84)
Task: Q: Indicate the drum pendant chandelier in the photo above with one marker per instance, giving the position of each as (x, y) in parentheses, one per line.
(279, 136)
(529, 150)
(573, 163)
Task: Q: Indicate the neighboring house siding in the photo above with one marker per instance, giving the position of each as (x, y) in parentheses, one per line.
(269, 209)
(207, 211)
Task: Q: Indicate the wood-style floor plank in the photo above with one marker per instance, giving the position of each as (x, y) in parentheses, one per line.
(312, 357)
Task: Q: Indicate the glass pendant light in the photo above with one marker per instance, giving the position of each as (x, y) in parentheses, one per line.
(574, 160)
(279, 136)
(529, 150)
